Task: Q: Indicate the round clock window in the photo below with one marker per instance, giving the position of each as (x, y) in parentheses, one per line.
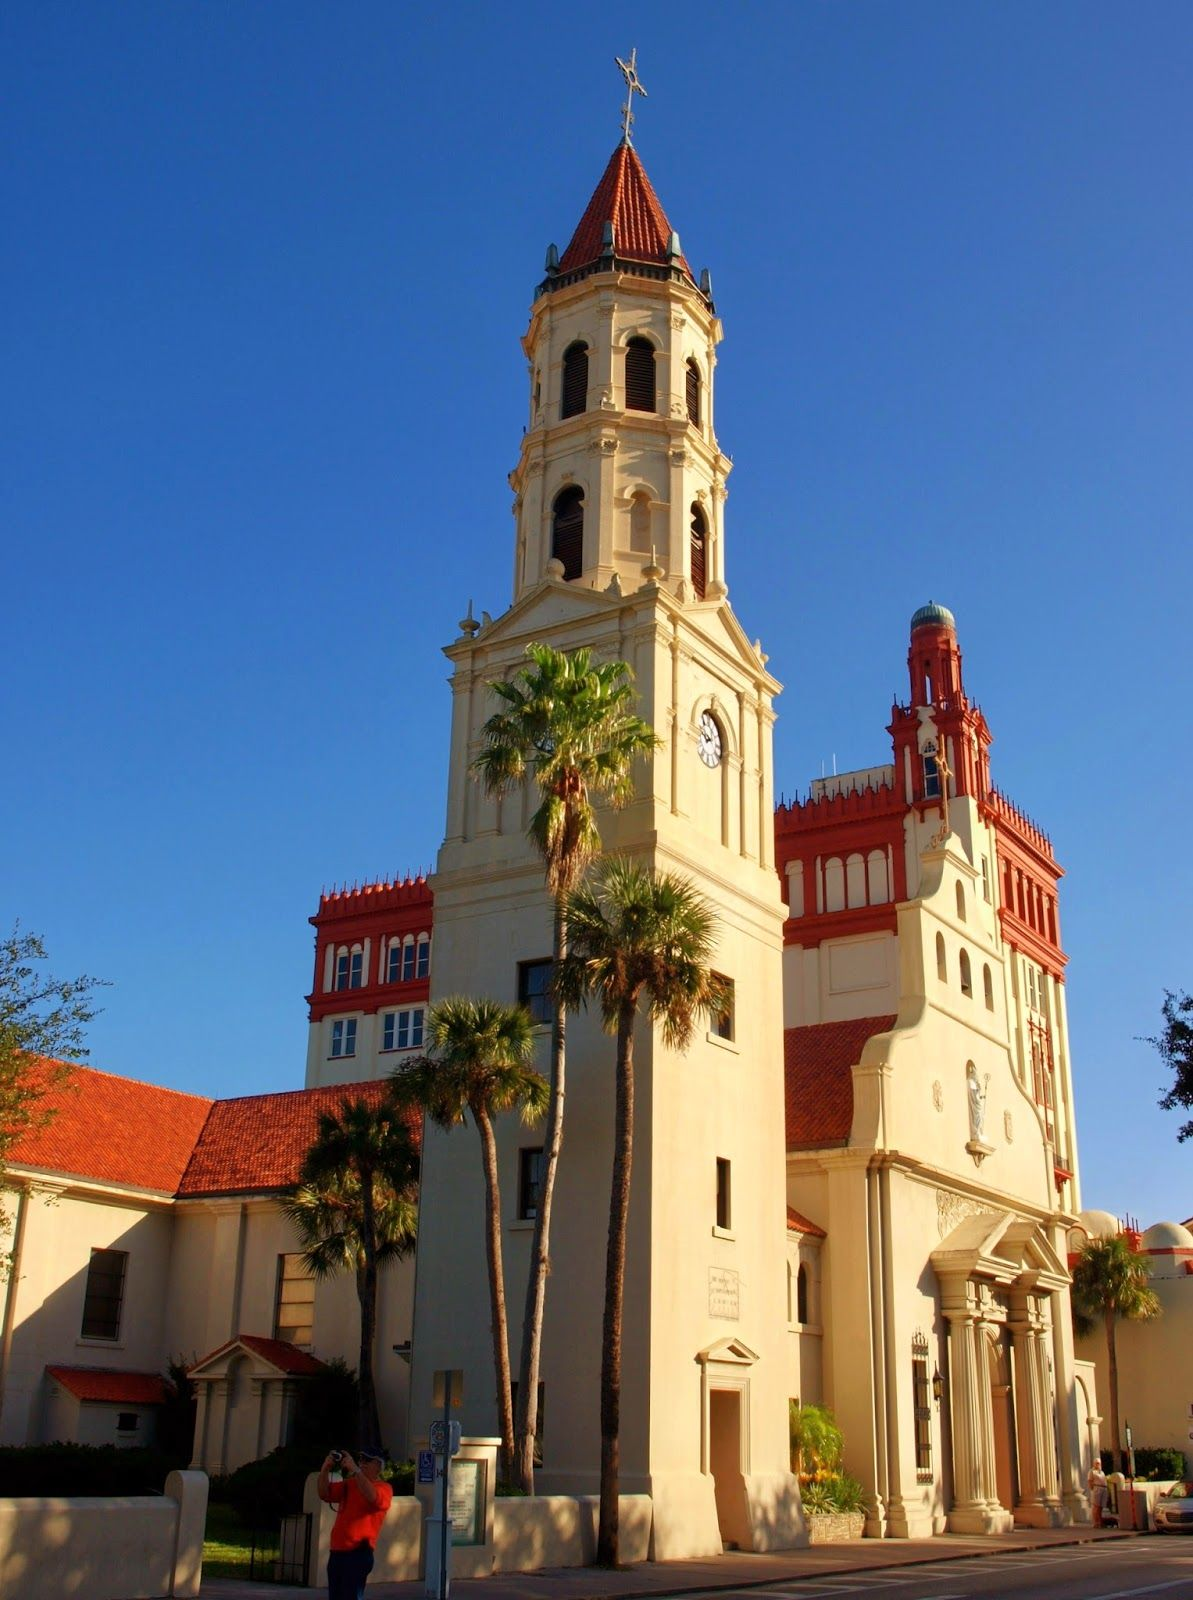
(708, 740)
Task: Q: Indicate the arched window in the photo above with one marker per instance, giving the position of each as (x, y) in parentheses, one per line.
(960, 901)
(574, 393)
(699, 551)
(567, 531)
(423, 956)
(834, 884)
(639, 375)
(966, 975)
(408, 958)
(988, 988)
(640, 522)
(692, 389)
(931, 778)
(942, 969)
(877, 875)
(855, 879)
(801, 1294)
(790, 1298)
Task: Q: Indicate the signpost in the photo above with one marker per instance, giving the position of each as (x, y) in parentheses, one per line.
(445, 1442)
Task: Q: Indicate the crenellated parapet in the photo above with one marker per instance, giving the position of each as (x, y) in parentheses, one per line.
(362, 899)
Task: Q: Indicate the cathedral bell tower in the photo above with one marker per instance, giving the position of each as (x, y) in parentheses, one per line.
(619, 493)
(620, 470)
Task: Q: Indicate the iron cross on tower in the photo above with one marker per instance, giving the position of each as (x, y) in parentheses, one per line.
(629, 71)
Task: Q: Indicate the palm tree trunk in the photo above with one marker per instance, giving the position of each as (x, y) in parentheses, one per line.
(619, 1209)
(1112, 1368)
(501, 1353)
(369, 1417)
(536, 1284)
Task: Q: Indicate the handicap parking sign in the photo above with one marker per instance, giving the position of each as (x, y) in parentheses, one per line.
(426, 1466)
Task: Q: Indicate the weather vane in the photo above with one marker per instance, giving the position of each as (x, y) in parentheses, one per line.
(629, 71)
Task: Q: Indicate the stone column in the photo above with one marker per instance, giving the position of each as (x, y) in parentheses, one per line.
(1039, 1499)
(975, 1498)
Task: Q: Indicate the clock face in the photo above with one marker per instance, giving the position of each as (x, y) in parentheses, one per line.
(709, 741)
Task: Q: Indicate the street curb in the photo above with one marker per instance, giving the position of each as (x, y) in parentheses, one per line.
(655, 1593)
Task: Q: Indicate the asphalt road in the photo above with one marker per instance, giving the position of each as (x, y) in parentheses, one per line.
(1161, 1566)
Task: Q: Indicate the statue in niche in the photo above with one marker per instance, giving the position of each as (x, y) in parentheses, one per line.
(977, 1103)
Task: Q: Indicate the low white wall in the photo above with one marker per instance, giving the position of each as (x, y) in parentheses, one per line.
(130, 1548)
(554, 1530)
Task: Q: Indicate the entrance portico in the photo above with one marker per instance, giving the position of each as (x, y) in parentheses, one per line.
(999, 1278)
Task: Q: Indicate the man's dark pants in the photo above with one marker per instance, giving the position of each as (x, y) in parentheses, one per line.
(347, 1573)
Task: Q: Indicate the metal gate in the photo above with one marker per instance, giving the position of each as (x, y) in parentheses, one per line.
(284, 1556)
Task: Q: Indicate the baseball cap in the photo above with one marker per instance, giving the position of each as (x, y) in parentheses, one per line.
(371, 1455)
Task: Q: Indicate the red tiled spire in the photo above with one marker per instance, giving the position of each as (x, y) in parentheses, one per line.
(625, 198)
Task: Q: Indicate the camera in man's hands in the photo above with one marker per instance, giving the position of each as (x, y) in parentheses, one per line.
(337, 1457)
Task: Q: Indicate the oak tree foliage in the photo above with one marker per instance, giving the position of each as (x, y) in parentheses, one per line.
(1175, 1045)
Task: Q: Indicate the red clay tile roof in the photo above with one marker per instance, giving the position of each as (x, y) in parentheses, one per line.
(625, 198)
(798, 1223)
(117, 1388)
(280, 1353)
(819, 1079)
(113, 1130)
(257, 1142)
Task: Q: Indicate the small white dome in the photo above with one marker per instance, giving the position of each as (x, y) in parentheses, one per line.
(1167, 1236)
(1097, 1224)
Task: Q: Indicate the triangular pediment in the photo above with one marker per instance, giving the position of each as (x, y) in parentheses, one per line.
(266, 1358)
(999, 1247)
(731, 1352)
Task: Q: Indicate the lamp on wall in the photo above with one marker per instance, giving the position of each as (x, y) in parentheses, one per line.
(403, 1351)
(937, 1385)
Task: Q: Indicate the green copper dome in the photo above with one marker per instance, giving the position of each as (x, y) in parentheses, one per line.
(934, 616)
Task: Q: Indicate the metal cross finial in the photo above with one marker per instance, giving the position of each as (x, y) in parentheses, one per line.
(629, 71)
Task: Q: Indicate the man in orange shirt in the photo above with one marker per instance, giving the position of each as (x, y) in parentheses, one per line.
(363, 1499)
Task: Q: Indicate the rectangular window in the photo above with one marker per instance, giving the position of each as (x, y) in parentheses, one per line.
(722, 1023)
(294, 1305)
(343, 1037)
(530, 1177)
(985, 879)
(357, 970)
(724, 1194)
(538, 1421)
(402, 1030)
(423, 962)
(393, 973)
(342, 970)
(534, 989)
(931, 778)
(407, 962)
(104, 1294)
(922, 1411)
(127, 1422)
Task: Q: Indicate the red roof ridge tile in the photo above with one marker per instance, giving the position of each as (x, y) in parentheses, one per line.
(798, 1223)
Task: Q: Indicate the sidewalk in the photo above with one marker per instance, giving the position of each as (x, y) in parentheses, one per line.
(732, 1571)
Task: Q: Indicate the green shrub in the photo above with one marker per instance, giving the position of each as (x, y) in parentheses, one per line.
(400, 1475)
(1156, 1464)
(326, 1412)
(83, 1469)
(263, 1492)
(832, 1492)
(816, 1441)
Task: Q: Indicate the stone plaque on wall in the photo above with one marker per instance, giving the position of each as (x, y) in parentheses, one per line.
(723, 1298)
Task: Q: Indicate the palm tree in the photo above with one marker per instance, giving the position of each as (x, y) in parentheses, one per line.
(1111, 1280)
(569, 723)
(355, 1208)
(480, 1065)
(636, 938)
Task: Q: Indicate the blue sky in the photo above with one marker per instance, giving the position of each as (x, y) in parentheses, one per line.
(266, 271)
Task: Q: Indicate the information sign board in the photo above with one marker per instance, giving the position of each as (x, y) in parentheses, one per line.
(466, 1502)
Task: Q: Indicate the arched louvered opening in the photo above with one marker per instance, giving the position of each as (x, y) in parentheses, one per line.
(574, 395)
(699, 548)
(692, 385)
(567, 531)
(639, 375)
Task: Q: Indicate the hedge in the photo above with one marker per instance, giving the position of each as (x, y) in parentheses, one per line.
(83, 1469)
